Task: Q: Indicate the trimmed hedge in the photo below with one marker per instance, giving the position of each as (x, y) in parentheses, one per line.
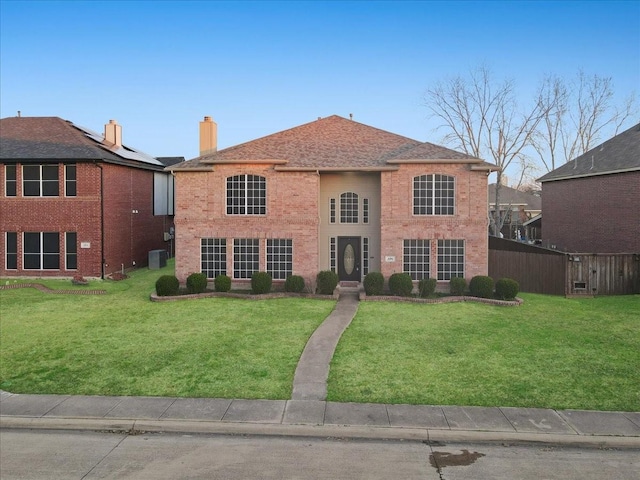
(481, 286)
(196, 283)
(167, 286)
(326, 282)
(507, 289)
(427, 287)
(373, 283)
(260, 282)
(294, 283)
(457, 286)
(222, 283)
(401, 284)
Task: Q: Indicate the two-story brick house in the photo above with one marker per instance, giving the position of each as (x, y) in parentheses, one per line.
(332, 194)
(591, 204)
(74, 202)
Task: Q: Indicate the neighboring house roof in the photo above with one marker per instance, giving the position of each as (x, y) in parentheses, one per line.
(537, 219)
(511, 196)
(618, 154)
(333, 143)
(40, 139)
(168, 161)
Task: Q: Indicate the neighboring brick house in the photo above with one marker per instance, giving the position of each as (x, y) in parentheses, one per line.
(592, 204)
(520, 208)
(332, 194)
(74, 202)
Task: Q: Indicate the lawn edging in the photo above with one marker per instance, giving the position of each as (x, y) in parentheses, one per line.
(453, 299)
(154, 297)
(45, 289)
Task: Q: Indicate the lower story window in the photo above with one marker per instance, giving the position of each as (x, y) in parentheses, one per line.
(246, 257)
(365, 256)
(41, 251)
(71, 250)
(450, 259)
(415, 258)
(332, 254)
(213, 256)
(279, 258)
(11, 247)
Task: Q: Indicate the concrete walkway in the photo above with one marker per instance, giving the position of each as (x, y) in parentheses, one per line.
(310, 379)
(308, 414)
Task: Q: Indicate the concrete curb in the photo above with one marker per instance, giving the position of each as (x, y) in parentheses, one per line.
(138, 427)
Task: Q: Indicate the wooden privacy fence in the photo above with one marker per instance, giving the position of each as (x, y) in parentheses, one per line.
(541, 270)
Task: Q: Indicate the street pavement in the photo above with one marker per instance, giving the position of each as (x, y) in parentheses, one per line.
(309, 414)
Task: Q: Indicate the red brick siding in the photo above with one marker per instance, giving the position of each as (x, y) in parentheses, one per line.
(126, 240)
(469, 222)
(292, 212)
(599, 214)
(80, 214)
(129, 236)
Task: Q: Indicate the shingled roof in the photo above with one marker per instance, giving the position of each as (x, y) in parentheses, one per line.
(513, 197)
(332, 143)
(618, 154)
(42, 139)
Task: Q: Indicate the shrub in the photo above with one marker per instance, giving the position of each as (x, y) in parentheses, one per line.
(373, 283)
(326, 282)
(196, 283)
(294, 283)
(260, 282)
(400, 284)
(481, 286)
(427, 287)
(222, 283)
(507, 289)
(457, 286)
(167, 285)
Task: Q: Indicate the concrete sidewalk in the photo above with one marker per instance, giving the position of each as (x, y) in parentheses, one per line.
(320, 419)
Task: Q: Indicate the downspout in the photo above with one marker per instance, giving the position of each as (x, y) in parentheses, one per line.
(103, 260)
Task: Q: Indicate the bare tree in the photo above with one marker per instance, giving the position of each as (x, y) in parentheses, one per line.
(483, 119)
(582, 111)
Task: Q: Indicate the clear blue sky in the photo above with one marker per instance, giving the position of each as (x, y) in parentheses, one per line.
(261, 67)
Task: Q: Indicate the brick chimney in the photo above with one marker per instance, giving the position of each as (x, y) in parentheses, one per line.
(208, 136)
(113, 133)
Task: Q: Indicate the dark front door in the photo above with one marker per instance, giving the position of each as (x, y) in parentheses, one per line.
(349, 259)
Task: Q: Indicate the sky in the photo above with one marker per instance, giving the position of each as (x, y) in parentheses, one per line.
(158, 67)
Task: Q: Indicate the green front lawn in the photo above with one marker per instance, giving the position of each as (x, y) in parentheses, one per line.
(550, 352)
(124, 344)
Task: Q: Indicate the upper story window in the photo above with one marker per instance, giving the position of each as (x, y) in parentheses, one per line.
(10, 182)
(433, 194)
(332, 210)
(349, 207)
(40, 181)
(246, 195)
(70, 180)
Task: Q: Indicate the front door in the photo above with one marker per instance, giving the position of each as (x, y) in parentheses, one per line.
(349, 259)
